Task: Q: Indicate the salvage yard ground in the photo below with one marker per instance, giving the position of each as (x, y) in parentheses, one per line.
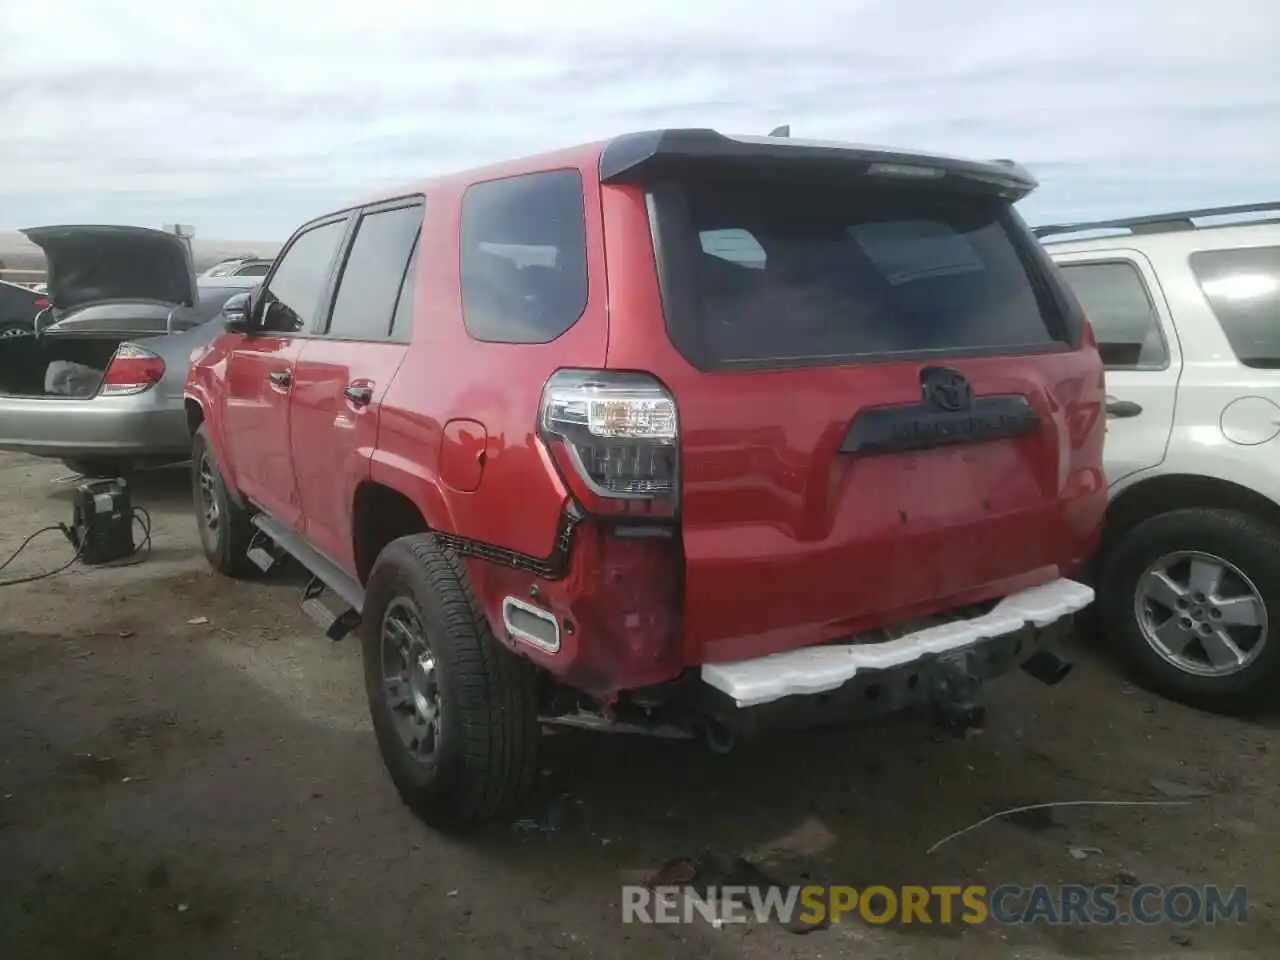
(187, 771)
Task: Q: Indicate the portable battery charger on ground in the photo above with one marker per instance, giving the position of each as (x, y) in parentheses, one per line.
(102, 523)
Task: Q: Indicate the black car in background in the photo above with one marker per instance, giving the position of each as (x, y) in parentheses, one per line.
(18, 308)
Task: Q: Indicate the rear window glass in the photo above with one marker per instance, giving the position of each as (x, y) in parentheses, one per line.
(524, 257)
(797, 273)
(1243, 288)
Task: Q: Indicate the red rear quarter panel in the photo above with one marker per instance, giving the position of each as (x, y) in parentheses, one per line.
(448, 376)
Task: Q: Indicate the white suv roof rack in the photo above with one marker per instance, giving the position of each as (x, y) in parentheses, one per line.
(1165, 222)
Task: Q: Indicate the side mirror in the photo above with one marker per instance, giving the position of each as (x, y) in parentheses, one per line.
(236, 315)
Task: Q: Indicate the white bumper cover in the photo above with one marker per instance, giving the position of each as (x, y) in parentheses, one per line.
(812, 670)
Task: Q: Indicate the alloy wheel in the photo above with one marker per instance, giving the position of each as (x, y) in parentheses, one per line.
(209, 496)
(410, 681)
(1201, 613)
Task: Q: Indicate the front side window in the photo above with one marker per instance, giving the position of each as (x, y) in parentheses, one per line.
(371, 278)
(524, 257)
(293, 295)
(1116, 301)
(1242, 286)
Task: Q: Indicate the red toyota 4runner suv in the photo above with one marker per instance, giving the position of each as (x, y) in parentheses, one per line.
(683, 432)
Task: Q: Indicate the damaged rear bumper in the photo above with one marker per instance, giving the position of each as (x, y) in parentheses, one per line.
(936, 665)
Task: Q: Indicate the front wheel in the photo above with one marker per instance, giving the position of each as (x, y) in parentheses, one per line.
(454, 712)
(1192, 597)
(224, 524)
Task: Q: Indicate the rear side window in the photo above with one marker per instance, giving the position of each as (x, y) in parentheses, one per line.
(293, 295)
(402, 324)
(370, 283)
(524, 257)
(790, 273)
(1243, 288)
(1119, 307)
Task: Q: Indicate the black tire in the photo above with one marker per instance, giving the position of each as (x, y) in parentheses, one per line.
(98, 468)
(225, 542)
(484, 761)
(1250, 545)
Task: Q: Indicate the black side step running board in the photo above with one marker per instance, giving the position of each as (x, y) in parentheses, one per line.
(262, 553)
(337, 615)
(333, 615)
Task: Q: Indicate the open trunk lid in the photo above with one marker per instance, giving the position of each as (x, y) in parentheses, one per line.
(91, 264)
(889, 405)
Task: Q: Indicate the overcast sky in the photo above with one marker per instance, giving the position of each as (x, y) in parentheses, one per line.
(244, 118)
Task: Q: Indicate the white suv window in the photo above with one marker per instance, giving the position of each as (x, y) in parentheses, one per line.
(1243, 288)
(1119, 307)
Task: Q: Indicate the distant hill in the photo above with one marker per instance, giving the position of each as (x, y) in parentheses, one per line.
(19, 254)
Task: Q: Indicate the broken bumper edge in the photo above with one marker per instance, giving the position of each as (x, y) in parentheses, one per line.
(833, 682)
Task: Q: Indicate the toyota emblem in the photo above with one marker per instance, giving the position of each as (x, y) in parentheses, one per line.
(946, 389)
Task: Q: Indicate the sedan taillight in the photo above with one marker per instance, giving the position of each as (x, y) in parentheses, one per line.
(132, 370)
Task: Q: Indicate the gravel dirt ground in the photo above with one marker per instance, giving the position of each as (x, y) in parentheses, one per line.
(187, 770)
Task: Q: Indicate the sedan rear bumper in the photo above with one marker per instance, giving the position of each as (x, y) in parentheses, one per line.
(143, 425)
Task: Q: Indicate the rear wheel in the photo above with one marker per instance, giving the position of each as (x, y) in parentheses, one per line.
(225, 530)
(454, 712)
(1192, 597)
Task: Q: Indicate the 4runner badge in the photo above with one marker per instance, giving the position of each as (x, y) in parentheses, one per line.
(946, 389)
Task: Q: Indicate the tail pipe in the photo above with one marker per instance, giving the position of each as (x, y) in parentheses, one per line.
(1047, 667)
(718, 737)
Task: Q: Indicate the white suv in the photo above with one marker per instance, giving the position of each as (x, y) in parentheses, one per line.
(1187, 317)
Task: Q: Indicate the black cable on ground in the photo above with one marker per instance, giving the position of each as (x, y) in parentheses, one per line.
(140, 517)
(23, 545)
(143, 519)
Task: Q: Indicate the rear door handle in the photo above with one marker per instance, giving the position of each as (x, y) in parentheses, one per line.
(359, 395)
(281, 378)
(1122, 408)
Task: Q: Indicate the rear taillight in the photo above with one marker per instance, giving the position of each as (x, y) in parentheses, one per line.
(616, 437)
(132, 370)
(42, 303)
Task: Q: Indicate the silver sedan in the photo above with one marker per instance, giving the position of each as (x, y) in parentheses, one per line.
(98, 380)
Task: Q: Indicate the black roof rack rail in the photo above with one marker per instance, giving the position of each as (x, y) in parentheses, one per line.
(1158, 222)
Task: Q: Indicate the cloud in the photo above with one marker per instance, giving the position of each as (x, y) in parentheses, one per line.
(246, 117)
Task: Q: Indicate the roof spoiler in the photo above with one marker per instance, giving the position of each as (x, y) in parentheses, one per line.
(639, 157)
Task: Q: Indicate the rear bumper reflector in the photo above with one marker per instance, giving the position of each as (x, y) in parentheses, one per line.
(529, 624)
(813, 670)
